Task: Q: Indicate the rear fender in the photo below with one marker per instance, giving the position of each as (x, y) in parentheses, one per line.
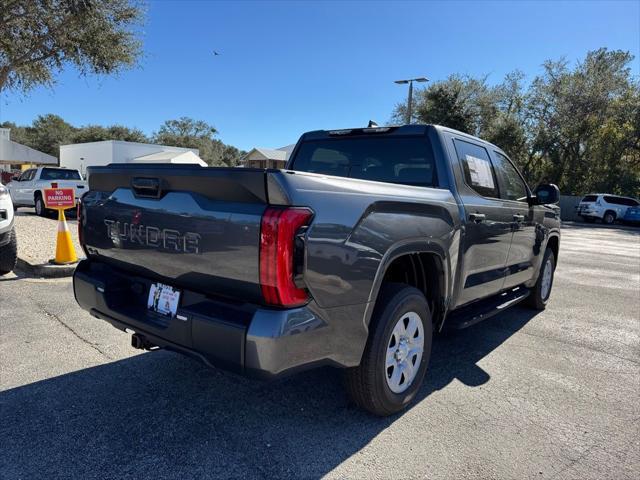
(406, 247)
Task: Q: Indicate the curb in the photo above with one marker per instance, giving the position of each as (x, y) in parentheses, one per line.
(45, 270)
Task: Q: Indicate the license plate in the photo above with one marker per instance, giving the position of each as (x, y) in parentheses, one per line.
(163, 299)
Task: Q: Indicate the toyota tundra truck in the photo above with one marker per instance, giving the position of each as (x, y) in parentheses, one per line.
(369, 242)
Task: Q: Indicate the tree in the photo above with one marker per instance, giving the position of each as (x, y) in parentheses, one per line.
(455, 102)
(576, 127)
(189, 133)
(48, 132)
(39, 37)
(96, 133)
(585, 123)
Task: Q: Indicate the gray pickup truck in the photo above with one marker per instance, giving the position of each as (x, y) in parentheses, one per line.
(370, 241)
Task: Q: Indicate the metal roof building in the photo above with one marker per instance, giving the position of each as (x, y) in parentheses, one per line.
(267, 157)
(16, 154)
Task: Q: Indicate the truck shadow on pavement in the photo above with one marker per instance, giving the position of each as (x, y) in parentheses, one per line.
(161, 415)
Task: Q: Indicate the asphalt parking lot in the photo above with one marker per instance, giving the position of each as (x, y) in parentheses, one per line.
(523, 395)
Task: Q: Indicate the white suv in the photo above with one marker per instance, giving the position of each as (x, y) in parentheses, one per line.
(607, 208)
(8, 242)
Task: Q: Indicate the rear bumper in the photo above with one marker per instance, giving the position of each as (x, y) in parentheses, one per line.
(245, 338)
(588, 212)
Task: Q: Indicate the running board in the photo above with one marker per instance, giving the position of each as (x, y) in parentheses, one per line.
(483, 309)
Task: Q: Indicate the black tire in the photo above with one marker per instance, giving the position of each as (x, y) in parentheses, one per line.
(609, 218)
(366, 384)
(9, 254)
(41, 211)
(536, 300)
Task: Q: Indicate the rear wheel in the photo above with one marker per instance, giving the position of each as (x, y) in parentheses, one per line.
(541, 292)
(9, 254)
(609, 218)
(397, 353)
(41, 211)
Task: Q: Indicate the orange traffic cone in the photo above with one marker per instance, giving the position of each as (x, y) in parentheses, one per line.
(65, 253)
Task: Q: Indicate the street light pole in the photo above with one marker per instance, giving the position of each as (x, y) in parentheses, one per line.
(410, 97)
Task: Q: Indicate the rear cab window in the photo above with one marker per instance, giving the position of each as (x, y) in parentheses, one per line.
(59, 174)
(589, 199)
(403, 160)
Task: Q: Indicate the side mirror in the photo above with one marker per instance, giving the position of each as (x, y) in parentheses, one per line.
(15, 179)
(547, 194)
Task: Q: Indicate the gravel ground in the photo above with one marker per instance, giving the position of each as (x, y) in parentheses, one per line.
(37, 236)
(546, 395)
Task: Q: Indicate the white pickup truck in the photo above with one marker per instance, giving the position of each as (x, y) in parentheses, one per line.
(26, 190)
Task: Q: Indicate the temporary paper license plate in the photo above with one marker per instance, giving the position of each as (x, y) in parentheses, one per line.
(163, 299)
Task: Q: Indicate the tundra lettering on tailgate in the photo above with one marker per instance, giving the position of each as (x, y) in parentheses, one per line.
(149, 236)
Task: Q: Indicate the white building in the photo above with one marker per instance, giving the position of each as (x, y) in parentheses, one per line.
(14, 155)
(82, 155)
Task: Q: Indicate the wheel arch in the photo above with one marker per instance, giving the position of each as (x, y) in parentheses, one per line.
(554, 244)
(420, 264)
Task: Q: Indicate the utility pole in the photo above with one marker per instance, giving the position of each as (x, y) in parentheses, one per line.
(410, 98)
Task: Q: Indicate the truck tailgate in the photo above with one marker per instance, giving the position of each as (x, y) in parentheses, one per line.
(187, 226)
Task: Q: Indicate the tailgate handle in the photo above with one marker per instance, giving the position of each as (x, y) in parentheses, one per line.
(146, 187)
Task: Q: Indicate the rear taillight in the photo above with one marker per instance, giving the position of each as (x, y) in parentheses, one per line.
(277, 251)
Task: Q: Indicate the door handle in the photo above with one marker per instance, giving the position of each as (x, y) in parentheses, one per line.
(518, 218)
(477, 217)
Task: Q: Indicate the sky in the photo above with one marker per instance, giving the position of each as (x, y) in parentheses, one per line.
(288, 67)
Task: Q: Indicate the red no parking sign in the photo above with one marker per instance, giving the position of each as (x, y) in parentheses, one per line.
(59, 198)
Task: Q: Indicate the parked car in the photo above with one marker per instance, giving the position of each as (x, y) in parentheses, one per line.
(26, 190)
(632, 216)
(370, 242)
(608, 208)
(8, 241)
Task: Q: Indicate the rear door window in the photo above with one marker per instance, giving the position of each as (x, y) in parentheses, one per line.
(403, 160)
(479, 173)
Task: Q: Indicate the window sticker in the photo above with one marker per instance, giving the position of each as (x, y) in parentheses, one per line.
(480, 172)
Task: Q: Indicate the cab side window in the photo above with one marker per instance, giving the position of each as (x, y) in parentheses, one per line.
(478, 170)
(26, 176)
(512, 187)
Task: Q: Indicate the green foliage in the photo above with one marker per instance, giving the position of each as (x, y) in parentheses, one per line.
(48, 132)
(578, 128)
(189, 133)
(39, 37)
(97, 133)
